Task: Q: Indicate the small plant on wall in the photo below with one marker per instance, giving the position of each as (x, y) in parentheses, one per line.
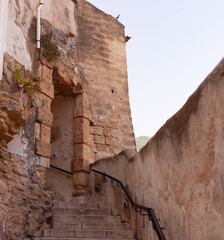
(28, 85)
(50, 49)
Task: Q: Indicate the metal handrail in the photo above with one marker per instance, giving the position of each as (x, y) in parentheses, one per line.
(62, 170)
(138, 208)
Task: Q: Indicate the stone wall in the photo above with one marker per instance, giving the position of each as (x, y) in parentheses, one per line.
(91, 74)
(92, 69)
(24, 201)
(92, 45)
(103, 59)
(179, 173)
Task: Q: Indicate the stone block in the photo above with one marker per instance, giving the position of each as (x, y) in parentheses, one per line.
(80, 191)
(84, 151)
(107, 149)
(47, 88)
(82, 106)
(46, 101)
(82, 131)
(96, 130)
(81, 164)
(43, 148)
(44, 162)
(130, 142)
(45, 133)
(106, 132)
(117, 133)
(109, 141)
(37, 130)
(99, 139)
(82, 100)
(80, 111)
(45, 116)
(47, 73)
(81, 179)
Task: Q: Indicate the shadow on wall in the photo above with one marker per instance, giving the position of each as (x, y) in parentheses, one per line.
(62, 135)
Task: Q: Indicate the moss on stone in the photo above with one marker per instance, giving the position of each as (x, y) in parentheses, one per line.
(50, 51)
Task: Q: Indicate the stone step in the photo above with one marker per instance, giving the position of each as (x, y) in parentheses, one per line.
(66, 218)
(70, 233)
(108, 226)
(72, 211)
(61, 204)
(63, 225)
(71, 219)
(59, 238)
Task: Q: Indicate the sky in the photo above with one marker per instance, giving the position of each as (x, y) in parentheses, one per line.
(175, 44)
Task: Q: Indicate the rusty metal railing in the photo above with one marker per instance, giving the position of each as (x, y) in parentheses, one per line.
(138, 208)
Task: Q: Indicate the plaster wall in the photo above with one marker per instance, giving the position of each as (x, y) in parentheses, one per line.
(22, 18)
(3, 28)
(179, 173)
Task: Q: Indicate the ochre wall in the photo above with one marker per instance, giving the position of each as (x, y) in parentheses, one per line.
(103, 59)
(92, 73)
(180, 172)
(25, 203)
(92, 46)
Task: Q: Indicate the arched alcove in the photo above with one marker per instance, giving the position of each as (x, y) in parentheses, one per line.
(62, 142)
(71, 141)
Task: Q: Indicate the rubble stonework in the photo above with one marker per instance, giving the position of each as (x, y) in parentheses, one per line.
(81, 114)
(94, 120)
(24, 201)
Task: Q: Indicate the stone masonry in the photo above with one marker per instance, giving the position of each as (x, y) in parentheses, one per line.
(91, 77)
(103, 59)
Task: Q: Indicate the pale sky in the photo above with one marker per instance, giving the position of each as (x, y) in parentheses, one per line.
(175, 44)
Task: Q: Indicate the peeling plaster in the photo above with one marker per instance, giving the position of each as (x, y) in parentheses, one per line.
(16, 45)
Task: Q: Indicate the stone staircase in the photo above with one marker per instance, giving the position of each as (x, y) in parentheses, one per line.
(73, 221)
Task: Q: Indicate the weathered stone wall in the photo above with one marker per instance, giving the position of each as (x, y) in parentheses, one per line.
(22, 26)
(91, 74)
(179, 173)
(92, 44)
(25, 204)
(103, 60)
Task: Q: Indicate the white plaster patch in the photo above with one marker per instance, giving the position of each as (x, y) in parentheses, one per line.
(16, 45)
(16, 145)
(61, 14)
